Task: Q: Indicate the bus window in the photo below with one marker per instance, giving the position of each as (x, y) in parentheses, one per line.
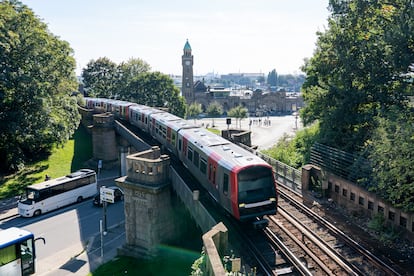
(7, 255)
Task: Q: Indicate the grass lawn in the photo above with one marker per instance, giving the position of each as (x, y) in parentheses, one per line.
(62, 161)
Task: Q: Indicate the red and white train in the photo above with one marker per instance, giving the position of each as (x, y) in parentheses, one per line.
(241, 182)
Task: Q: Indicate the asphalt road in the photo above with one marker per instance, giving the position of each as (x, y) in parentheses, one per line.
(72, 236)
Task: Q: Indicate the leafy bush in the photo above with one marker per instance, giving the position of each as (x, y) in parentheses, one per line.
(295, 151)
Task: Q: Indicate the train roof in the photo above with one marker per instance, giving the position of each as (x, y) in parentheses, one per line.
(140, 107)
(227, 153)
(56, 181)
(97, 99)
(121, 103)
(146, 109)
(172, 121)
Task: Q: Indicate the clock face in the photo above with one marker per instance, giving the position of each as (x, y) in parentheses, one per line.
(187, 62)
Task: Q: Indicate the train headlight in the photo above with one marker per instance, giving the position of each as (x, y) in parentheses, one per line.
(242, 205)
(272, 199)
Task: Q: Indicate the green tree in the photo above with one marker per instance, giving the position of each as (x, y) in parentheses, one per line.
(194, 110)
(356, 73)
(214, 110)
(158, 90)
(36, 83)
(128, 71)
(295, 151)
(391, 153)
(272, 78)
(239, 112)
(101, 78)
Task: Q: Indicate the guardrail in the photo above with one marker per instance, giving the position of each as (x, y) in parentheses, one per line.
(284, 174)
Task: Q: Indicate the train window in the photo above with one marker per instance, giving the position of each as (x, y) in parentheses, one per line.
(190, 153)
(403, 222)
(203, 165)
(352, 196)
(380, 210)
(361, 200)
(210, 170)
(370, 205)
(196, 158)
(173, 138)
(344, 192)
(214, 175)
(180, 144)
(391, 215)
(225, 183)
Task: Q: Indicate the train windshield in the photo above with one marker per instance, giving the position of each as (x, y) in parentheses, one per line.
(256, 184)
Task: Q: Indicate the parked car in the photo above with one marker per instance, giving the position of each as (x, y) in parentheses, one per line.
(118, 196)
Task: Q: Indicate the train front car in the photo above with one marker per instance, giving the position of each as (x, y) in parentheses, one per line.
(255, 193)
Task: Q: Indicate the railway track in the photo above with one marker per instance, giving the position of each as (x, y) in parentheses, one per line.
(300, 242)
(325, 249)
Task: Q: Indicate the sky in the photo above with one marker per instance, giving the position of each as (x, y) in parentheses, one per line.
(226, 36)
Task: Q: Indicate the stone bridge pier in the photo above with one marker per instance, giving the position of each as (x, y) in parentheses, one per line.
(148, 211)
(104, 140)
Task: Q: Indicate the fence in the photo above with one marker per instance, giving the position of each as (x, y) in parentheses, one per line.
(346, 165)
(284, 174)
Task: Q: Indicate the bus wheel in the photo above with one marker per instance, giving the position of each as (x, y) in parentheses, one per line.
(37, 213)
(79, 199)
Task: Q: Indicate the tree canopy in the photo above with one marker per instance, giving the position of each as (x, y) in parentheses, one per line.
(214, 110)
(391, 151)
(37, 79)
(272, 78)
(194, 110)
(357, 87)
(101, 77)
(157, 90)
(239, 112)
(358, 70)
(132, 81)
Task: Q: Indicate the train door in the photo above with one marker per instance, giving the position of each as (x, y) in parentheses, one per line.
(169, 135)
(225, 191)
(153, 126)
(185, 145)
(212, 177)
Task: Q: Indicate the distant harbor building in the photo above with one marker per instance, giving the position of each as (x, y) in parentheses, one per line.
(258, 103)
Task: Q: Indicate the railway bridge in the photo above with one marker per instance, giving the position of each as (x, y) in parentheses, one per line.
(148, 179)
(140, 165)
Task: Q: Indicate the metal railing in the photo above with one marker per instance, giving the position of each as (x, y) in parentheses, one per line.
(284, 174)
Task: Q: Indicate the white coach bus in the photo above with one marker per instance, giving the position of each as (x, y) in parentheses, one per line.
(55, 193)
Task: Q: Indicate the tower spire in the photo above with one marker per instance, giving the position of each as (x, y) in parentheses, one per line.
(188, 80)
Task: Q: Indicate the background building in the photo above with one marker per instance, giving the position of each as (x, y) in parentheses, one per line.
(259, 102)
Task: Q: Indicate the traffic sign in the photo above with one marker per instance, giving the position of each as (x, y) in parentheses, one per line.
(107, 195)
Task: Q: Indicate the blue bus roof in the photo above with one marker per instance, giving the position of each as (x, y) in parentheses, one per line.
(13, 235)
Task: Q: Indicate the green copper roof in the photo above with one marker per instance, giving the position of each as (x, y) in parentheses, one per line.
(187, 46)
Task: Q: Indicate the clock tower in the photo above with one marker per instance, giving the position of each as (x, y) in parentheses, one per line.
(187, 82)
